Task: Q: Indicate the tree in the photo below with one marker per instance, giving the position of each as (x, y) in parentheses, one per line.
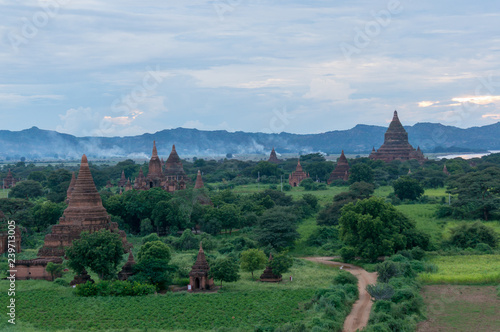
(100, 251)
(375, 228)
(252, 259)
(38, 176)
(58, 183)
(407, 188)
(468, 235)
(478, 193)
(281, 263)
(277, 228)
(224, 269)
(152, 266)
(55, 270)
(45, 214)
(361, 173)
(26, 189)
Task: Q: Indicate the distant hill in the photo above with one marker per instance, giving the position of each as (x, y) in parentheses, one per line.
(35, 143)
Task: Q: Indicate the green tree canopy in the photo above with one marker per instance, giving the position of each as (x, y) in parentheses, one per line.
(375, 228)
(152, 266)
(252, 259)
(100, 251)
(468, 235)
(26, 189)
(361, 173)
(277, 228)
(224, 269)
(407, 188)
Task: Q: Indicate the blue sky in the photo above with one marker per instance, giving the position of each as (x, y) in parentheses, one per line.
(117, 68)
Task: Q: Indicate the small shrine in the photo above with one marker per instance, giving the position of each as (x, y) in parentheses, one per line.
(341, 171)
(198, 277)
(268, 275)
(296, 177)
(273, 158)
(127, 269)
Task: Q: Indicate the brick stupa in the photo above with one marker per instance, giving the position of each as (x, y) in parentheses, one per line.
(127, 269)
(268, 275)
(174, 172)
(9, 181)
(296, 177)
(396, 145)
(341, 171)
(84, 213)
(155, 176)
(123, 180)
(140, 181)
(273, 158)
(198, 277)
(199, 181)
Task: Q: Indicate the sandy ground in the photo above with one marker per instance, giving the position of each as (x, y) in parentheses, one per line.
(360, 313)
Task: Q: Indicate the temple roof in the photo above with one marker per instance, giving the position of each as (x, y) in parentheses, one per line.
(155, 164)
(173, 165)
(273, 158)
(200, 267)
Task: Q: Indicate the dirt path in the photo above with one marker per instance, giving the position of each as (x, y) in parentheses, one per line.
(360, 312)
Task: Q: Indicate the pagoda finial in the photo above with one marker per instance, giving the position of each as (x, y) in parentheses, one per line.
(173, 147)
(155, 152)
(84, 159)
(201, 246)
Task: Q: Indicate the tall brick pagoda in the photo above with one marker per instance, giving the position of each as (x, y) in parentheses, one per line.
(341, 171)
(85, 212)
(199, 181)
(155, 176)
(273, 158)
(174, 172)
(296, 177)
(140, 181)
(396, 145)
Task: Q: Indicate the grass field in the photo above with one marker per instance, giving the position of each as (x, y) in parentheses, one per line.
(242, 305)
(460, 309)
(4, 193)
(464, 270)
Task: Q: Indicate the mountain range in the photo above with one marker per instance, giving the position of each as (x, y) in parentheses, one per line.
(38, 144)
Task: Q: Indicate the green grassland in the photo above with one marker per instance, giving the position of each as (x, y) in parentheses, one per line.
(239, 306)
(464, 269)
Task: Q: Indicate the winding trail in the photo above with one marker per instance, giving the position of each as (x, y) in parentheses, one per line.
(360, 312)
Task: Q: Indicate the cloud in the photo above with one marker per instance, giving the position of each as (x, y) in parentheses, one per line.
(479, 100)
(328, 89)
(491, 116)
(427, 103)
(80, 121)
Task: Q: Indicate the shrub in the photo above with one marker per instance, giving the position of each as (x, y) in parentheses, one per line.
(345, 278)
(61, 281)
(470, 235)
(380, 291)
(150, 238)
(114, 288)
(348, 254)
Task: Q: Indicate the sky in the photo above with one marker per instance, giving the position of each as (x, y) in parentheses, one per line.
(120, 68)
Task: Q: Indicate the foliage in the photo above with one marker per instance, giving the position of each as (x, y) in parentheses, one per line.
(361, 173)
(375, 228)
(468, 235)
(281, 263)
(150, 238)
(345, 278)
(100, 251)
(380, 291)
(114, 288)
(152, 266)
(55, 270)
(26, 189)
(146, 226)
(252, 259)
(187, 241)
(407, 188)
(478, 194)
(348, 254)
(277, 228)
(224, 269)
(45, 213)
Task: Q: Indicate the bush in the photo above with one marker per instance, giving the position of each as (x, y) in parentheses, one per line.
(61, 281)
(380, 291)
(345, 278)
(114, 288)
(348, 254)
(150, 238)
(470, 235)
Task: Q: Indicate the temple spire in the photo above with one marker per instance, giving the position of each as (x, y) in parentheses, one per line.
(199, 181)
(155, 152)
